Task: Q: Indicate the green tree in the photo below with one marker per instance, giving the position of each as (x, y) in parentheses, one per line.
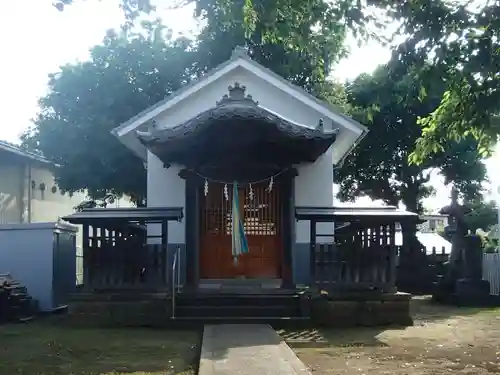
(379, 166)
(131, 8)
(124, 75)
(128, 73)
(484, 215)
(461, 38)
(297, 40)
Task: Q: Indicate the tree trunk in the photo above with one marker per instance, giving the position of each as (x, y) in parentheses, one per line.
(409, 230)
(412, 248)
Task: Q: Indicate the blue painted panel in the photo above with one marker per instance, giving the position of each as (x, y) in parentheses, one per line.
(301, 261)
(27, 253)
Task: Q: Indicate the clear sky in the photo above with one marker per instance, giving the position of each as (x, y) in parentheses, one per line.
(36, 39)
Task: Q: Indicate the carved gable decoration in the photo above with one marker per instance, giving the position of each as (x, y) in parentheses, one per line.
(237, 95)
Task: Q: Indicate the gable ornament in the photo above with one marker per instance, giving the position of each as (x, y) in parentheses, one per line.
(237, 95)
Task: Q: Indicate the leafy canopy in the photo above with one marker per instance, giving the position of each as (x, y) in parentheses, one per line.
(379, 166)
(300, 41)
(129, 72)
(124, 75)
(131, 8)
(461, 38)
(484, 215)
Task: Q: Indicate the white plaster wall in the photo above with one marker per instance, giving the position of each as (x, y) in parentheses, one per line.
(267, 95)
(11, 191)
(314, 188)
(48, 206)
(165, 189)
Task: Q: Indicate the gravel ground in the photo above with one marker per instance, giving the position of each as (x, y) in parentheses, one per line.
(442, 340)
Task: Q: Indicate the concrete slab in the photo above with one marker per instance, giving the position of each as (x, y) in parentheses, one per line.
(247, 349)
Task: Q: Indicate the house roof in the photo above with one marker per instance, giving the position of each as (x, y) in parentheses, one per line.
(16, 150)
(235, 105)
(429, 241)
(433, 216)
(240, 58)
(353, 213)
(125, 214)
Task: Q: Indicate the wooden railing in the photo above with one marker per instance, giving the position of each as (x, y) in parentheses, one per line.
(356, 253)
(435, 258)
(128, 266)
(122, 259)
(343, 268)
(125, 247)
(438, 256)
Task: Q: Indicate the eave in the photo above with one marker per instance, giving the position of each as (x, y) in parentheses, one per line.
(239, 127)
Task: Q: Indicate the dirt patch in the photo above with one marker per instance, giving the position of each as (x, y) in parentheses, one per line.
(443, 340)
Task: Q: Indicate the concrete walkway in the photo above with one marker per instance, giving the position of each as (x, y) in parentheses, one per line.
(247, 349)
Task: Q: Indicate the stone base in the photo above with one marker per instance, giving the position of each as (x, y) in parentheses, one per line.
(362, 310)
(466, 293)
(415, 279)
(443, 289)
(120, 310)
(473, 288)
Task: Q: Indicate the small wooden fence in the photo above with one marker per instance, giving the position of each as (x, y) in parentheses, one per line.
(340, 268)
(437, 256)
(363, 257)
(491, 271)
(117, 250)
(116, 259)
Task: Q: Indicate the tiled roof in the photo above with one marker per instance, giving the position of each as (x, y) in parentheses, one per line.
(15, 149)
(128, 214)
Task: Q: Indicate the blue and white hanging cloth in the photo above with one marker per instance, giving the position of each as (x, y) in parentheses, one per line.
(239, 240)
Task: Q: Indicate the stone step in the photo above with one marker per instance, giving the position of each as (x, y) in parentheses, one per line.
(237, 300)
(237, 311)
(277, 323)
(234, 306)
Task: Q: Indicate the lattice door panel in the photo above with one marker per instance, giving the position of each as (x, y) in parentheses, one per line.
(261, 212)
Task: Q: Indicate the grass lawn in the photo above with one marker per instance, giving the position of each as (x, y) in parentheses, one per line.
(45, 348)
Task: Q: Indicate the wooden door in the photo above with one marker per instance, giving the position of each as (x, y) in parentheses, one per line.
(262, 217)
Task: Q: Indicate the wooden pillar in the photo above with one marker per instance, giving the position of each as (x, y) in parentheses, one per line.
(392, 259)
(192, 240)
(103, 256)
(86, 256)
(196, 235)
(165, 266)
(381, 266)
(312, 254)
(288, 228)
